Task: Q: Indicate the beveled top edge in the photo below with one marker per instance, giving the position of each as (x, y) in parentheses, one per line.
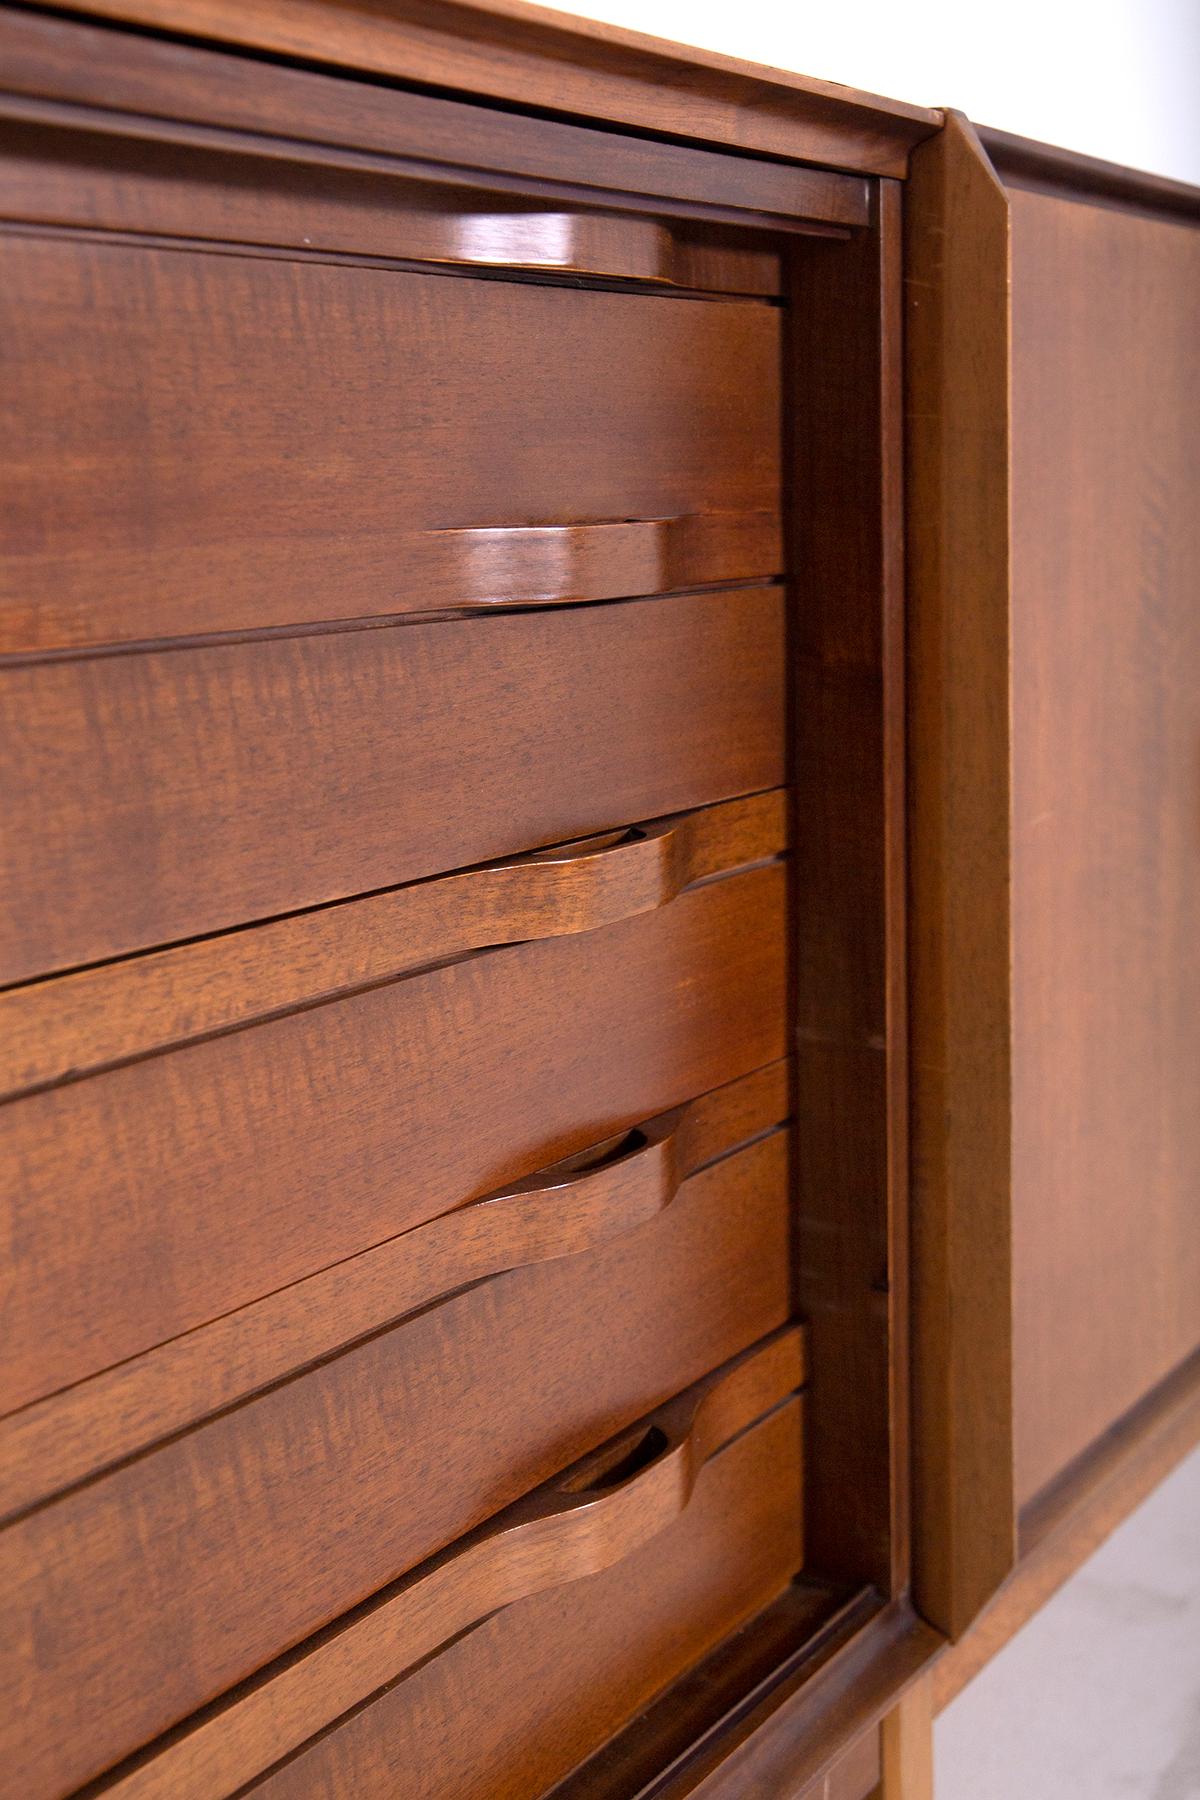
(1025, 159)
(648, 44)
(552, 62)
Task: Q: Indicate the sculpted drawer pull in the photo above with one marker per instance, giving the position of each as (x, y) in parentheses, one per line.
(600, 880)
(571, 1206)
(100, 1016)
(563, 242)
(605, 1508)
(553, 565)
(558, 565)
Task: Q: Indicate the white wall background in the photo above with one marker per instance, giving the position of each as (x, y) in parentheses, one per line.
(1118, 79)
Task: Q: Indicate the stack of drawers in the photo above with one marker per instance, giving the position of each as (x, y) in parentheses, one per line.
(400, 1371)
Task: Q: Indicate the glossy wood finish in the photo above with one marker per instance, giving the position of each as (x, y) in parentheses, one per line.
(1106, 835)
(52, 1030)
(582, 1202)
(180, 95)
(98, 171)
(173, 794)
(551, 61)
(215, 1553)
(551, 565)
(543, 1682)
(176, 479)
(959, 736)
(306, 368)
(315, 1136)
(554, 243)
(848, 726)
(291, 1101)
(598, 1514)
(546, 1680)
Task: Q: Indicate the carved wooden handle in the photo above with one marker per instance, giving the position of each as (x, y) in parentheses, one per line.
(97, 1016)
(559, 565)
(593, 881)
(602, 1510)
(571, 1206)
(553, 565)
(568, 1207)
(578, 243)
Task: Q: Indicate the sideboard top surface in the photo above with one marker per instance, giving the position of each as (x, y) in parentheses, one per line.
(533, 57)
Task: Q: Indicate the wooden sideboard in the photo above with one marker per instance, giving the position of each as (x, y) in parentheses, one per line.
(599, 1006)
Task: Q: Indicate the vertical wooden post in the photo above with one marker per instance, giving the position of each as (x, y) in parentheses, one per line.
(906, 1745)
(847, 665)
(957, 357)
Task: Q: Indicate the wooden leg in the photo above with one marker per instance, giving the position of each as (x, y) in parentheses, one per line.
(906, 1745)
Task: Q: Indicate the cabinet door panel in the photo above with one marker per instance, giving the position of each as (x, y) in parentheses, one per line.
(1055, 840)
(1106, 817)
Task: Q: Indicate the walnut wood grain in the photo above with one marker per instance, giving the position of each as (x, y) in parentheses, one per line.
(178, 793)
(103, 171)
(587, 1199)
(1106, 825)
(154, 1197)
(847, 713)
(554, 242)
(553, 565)
(575, 1526)
(957, 335)
(216, 1552)
(549, 61)
(703, 1704)
(172, 1193)
(175, 478)
(64, 1027)
(511, 1703)
(152, 90)
(514, 1703)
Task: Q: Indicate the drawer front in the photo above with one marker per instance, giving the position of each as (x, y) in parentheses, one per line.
(226, 442)
(156, 797)
(150, 1199)
(574, 1206)
(216, 1552)
(68, 176)
(512, 1707)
